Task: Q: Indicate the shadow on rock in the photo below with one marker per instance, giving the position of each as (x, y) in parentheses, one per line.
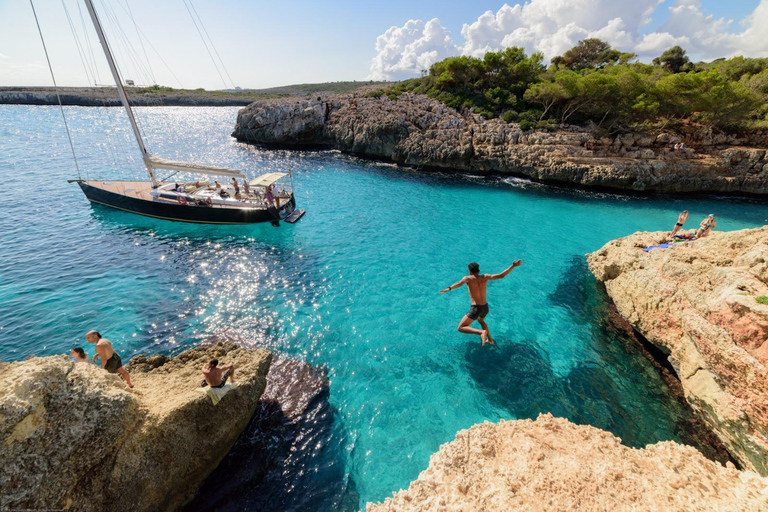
(290, 456)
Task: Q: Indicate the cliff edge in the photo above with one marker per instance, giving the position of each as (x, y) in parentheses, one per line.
(698, 302)
(74, 437)
(552, 464)
(418, 131)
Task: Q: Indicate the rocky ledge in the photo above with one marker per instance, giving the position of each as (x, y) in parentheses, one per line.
(698, 302)
(75, 437)
(418, 131)
(552, 464)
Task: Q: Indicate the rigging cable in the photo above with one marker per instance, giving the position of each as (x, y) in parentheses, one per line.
(56, 87)
(80, 51)
(212, 45)
(136, 26)
(97, 77)
(206, 45)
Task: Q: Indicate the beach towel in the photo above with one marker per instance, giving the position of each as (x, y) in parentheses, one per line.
(660, 246)
(216, 394)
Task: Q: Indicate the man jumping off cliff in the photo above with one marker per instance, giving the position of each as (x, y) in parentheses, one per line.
(477, 282)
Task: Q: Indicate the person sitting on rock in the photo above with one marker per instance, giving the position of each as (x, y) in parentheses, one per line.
(680, 221)
(706, 226)
(79, 354)
(110, 360)
(216, 376)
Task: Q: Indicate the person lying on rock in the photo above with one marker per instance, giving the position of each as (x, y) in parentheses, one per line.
(216, 376)
(706, 226)
(680, 221)
(110, 360)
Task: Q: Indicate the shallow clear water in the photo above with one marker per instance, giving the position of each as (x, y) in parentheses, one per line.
(353, 286)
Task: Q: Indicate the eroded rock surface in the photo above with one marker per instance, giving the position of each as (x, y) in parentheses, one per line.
(697, 301)
(552, 464)
(419, 131)
(74, 437)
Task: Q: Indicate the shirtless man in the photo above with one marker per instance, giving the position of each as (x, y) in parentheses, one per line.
(216, 376)
(680, 221)
(110, 360)
(477, 282)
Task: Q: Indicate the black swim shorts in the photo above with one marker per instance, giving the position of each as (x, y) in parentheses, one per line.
(478, 311)
(113, 363)
(223, 380)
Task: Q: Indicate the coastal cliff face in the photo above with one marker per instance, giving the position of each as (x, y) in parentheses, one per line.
(552, 464)
(74, 437)
(697, 302)
(419, 131)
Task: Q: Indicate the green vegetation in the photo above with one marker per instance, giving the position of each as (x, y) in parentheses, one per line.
(595, 84)
(762, 299)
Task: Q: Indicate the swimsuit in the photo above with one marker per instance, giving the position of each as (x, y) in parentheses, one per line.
(678, 224)
(113, 363)
(477, 310)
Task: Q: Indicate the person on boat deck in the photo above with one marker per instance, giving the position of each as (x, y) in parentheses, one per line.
(706, 226)
(216, 185)
(216, 376)
(477, 283)
(246, 187)
(110, 360)
(680, 221)
(79, 355)
(269, 197)
(236, 185)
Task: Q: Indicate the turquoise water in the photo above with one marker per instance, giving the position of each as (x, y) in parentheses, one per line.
(353, 286)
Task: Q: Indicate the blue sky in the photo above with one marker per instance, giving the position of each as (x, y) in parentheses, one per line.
(276, 43)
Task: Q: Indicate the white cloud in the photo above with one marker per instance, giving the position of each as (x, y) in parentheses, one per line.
(404, 51)
(554, 26)
(3, 56)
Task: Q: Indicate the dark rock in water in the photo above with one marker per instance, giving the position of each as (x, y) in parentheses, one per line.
(290, 456)
(419, 131)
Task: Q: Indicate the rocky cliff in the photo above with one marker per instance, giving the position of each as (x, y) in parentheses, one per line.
(552, 464)
(74, 437)
(418, 131)
(698, 302)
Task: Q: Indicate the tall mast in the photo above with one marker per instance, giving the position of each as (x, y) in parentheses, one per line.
(120, 89)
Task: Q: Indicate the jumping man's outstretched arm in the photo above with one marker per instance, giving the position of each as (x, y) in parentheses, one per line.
(454, 285)
(515, 263)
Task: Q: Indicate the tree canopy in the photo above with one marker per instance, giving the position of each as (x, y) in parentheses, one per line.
(594, 84)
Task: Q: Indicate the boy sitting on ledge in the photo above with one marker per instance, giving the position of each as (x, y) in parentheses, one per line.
(216, 376)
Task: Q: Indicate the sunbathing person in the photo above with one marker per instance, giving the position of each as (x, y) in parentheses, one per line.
(706, 226)
(216, 376)
(79, 355)
(680, 221)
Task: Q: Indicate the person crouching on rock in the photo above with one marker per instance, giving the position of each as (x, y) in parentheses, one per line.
(216, 376)
(110, 360)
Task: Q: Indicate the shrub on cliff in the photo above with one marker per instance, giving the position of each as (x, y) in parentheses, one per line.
(593, 83)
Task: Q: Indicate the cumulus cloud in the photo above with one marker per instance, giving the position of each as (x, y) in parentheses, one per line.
(554, 26)
(404, 51)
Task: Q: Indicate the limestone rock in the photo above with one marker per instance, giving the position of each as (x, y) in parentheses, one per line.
(419, 131)
(74, 437)
(552, 464)
(697, 302)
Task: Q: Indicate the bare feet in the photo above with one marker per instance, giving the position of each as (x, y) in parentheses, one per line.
(484, 337)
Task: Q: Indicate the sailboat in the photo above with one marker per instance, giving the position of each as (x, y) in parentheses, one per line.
(264, 199)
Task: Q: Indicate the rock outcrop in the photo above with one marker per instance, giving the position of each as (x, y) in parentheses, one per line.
(75, 437)
(552, 464)
(698, 302)
(418, 131)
